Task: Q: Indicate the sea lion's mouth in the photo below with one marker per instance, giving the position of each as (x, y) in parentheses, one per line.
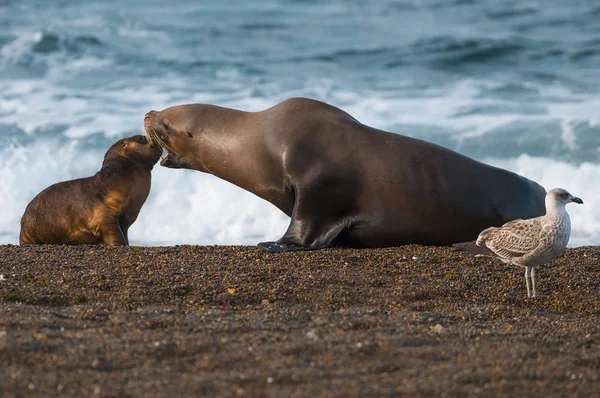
(171, 162)
(168, 158)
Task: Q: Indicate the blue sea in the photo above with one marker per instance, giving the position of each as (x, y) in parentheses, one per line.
(512, 83)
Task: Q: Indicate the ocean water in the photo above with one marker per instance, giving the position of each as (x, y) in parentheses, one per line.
(512, 83)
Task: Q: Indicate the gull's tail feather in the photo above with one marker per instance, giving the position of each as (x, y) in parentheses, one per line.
(472, 247)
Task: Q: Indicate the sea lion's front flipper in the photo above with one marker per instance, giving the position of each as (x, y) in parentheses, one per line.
(112, 233)
(301, 236)
(320, 214)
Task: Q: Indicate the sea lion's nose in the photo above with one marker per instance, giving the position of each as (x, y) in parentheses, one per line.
(149, 115)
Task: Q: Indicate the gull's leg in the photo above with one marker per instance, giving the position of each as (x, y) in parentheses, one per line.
(533, 280)
(527, 281)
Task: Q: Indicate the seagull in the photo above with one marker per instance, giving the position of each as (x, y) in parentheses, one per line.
(528, 243)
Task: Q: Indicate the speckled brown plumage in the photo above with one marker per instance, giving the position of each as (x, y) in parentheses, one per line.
(533, 242)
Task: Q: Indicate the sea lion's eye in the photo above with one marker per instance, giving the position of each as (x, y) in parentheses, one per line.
(165, 125)
(189, 134)
(124, 144)
(140, 139)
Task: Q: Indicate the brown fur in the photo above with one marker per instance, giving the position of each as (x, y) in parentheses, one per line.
(97, 209)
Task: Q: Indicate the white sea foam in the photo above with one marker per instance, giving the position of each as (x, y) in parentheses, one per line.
(33, 105)
(196, 208)
(19, 47)
(87, 64)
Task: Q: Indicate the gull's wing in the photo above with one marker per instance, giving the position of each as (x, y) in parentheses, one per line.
(514, 239)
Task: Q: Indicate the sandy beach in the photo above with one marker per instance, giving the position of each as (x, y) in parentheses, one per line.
(237, 321)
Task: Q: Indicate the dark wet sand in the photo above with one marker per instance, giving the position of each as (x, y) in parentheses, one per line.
(222, 321)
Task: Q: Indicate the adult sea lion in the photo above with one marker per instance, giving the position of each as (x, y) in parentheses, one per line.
(340, 181)
(98, 209)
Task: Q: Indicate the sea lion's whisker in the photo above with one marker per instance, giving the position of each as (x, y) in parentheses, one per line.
(151, 134)
(164, 145)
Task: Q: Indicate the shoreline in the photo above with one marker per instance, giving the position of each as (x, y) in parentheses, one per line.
(236, 320)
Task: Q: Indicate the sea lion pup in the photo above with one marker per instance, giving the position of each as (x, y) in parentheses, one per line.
(342, 182)
(98, 209)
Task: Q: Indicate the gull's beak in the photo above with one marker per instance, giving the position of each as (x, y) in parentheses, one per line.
(576, 200)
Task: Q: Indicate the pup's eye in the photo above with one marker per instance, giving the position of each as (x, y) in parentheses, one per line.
(141, 139)
(190, 135)
(124, 144)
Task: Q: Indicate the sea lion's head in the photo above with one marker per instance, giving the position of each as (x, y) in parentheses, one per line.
(182, 132)
(136, 149)
(171, 134)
